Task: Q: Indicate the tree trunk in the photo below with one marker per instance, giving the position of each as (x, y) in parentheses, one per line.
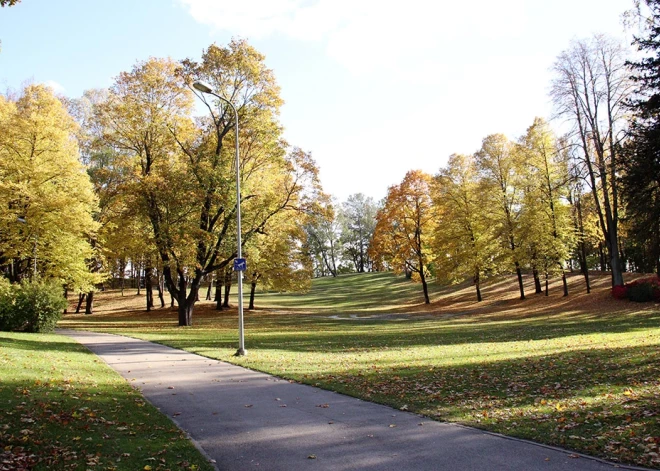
(122, 273)
(537, 281)
(208, 291)
(564, 282)
(81, 298)
(186, 301)
(89, 305)
(477, 285)
(66, 297)
(253, 288)
(601, 253)
(218, 293)
(160, 288)
(520, 281)
(148, 286)
(138, 273)
(227, 288)
(547, 292)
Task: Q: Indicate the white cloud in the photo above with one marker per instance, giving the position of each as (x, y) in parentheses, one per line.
(57, 87)
(366, 35)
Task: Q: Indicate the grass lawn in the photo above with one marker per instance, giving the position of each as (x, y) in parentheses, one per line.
(581, 372)
(62, 408)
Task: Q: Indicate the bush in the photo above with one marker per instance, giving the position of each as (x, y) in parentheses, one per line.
(31, 307)
(620, 292)
(6, 303)
(641, 291)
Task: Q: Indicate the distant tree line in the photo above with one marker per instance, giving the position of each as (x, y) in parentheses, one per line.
(128, 180)
(587, 199)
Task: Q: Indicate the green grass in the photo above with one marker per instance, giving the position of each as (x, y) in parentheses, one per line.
(63, 408)
(581, 372)
(353, 292)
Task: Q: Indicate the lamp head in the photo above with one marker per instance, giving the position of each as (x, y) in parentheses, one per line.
(202, 87)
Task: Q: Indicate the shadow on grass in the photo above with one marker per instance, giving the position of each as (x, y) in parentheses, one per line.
(601, 401)
(36, 344)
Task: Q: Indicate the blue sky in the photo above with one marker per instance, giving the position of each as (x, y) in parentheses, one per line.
(372, 88)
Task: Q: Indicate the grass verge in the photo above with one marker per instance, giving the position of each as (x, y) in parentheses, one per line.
(581, 372)
(62, 408)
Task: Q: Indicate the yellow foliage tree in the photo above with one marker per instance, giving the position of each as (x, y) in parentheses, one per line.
(46, 198)
(404, 229)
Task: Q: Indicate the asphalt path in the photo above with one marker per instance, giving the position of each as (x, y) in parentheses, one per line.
(246, 420)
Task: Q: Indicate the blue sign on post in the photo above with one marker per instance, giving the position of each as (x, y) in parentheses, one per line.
(240, 264)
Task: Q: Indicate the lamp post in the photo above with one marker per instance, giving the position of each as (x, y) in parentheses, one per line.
(204, 88)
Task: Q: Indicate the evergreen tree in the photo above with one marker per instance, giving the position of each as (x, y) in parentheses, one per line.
(641, 163)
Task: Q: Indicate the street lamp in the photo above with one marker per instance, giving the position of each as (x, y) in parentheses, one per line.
(204, 88)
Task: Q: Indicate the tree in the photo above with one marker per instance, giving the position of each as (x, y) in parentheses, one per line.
(590, 87)
(358, 216)
(46, 199)
(277, 260)
(545, 216)
(464, 243)
(181, 171)
(9, 3)
(322, 244)
(405, 227)
(499, 168)
(641, 159)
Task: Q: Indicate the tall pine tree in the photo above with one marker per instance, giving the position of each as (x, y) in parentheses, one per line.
(641, 181)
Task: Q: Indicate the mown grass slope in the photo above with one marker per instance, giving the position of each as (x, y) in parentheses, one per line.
(582, 371)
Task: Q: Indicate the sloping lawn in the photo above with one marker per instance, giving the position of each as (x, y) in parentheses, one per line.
(62, 408)
(581, 372)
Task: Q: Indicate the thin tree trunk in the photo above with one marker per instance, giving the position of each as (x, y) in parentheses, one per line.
(122, 268)
(148, 287)
(227, 288)
(138, 274)
(537, 281)
(89, 305)
(218, 292)
(160, 287)
(477, 285)
(81, 298)
(208, 291)
(520, 280)
(547, 292)
(564, 282)
(66, 297)
(253, 288)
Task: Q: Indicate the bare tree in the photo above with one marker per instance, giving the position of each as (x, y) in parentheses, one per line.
(590, 87)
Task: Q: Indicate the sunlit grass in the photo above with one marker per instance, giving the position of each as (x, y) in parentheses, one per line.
(63, 408)
(581, 372)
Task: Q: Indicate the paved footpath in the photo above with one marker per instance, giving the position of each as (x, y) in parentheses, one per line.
(248, 420)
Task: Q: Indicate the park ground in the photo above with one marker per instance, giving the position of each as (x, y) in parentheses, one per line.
(581, 372)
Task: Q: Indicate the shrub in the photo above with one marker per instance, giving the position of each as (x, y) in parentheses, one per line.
(620, 292)
(6, 303)
(32, 307)
(642, 290)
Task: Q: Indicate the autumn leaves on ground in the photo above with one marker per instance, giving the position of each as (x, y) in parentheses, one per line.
(581, 372)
